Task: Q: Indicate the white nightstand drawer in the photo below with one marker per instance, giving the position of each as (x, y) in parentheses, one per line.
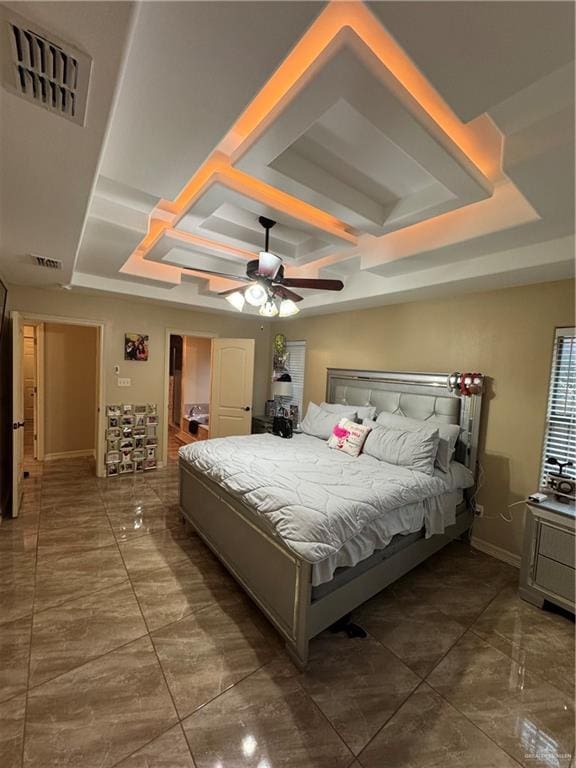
(555, 577)
(557, 544)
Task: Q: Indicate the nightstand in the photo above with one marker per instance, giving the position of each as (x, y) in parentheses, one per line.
(547, 570)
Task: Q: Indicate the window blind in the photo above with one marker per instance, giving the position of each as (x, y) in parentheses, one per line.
(560, 435)
(296, 364)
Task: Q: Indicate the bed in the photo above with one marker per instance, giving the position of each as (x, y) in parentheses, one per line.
(311, 533)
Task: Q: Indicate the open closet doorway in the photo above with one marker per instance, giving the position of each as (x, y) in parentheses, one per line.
(188, 390)
(57, 390)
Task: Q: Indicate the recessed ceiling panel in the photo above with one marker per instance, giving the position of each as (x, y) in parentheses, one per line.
(353, 145)
(230, 217)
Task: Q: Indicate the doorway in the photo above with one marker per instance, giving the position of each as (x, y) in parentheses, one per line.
(30, 375)
(57, 391)
(188, 390)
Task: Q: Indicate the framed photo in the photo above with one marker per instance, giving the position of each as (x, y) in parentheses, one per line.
(125, 467)
(127, 421)
(113, 421)
(151, 441)
(114, 410)
(127, 408)
(138, 454)
(139, 431)
(140, 409)
(113, 445)
(111, 470)
(126, 444)
(151, 407)
(151, 430)
(113, 433)
(139, 442)
(149, 464)
(152, 420)
(138, 466)
(112, 457)
(140, 420)
(135, 346)
(126, 431)
(151, 452)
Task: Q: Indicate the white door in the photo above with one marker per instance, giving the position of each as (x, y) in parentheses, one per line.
(17, 413)
(232, 375)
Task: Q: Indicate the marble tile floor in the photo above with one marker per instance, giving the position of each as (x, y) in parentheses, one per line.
(125, 643)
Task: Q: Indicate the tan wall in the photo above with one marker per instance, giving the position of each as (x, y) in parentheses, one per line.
(506, 334)
(121, 315)
(70, 377)
(196, 372)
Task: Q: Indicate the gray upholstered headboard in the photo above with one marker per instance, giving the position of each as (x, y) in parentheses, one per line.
(424, 396)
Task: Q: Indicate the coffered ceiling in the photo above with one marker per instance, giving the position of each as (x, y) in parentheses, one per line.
(411, 149)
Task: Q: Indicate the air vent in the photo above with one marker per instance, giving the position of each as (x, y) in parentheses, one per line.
(42, 261)
(45, 70)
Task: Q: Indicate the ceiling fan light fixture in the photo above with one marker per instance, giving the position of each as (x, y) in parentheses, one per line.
(256, 295)
(268, 264)
(237, 300)
(288, 308)
(269, 309)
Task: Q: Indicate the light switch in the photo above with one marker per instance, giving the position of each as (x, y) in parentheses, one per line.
(116, 369)
(124, 382)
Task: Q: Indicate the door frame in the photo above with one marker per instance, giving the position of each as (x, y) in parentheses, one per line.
(166, 416)
(33, 318)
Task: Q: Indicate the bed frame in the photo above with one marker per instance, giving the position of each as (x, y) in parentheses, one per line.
(279, 581)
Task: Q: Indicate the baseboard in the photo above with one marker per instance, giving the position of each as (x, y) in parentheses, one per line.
(494, 551)
(70, 454)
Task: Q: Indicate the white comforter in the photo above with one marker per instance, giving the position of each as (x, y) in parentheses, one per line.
(315, 498)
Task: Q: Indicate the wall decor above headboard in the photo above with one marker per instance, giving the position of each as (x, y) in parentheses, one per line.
(425, 396)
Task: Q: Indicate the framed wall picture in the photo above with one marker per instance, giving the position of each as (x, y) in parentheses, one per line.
(135, 347)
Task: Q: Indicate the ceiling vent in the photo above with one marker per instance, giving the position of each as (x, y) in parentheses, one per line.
(42, 261)
(45, 70)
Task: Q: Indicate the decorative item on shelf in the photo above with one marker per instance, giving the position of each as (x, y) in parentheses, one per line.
(564, 487)
(131, 438)
(269, 408)
(465, 384)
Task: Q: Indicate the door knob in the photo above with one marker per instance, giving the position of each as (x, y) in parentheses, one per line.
(17, 424)
(246, 408)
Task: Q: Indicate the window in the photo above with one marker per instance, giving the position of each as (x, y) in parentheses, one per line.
(560, 435)
(295, 364)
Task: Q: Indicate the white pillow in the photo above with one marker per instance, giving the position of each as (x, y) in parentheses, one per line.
(403, 447)
(320, 423)
(363, 411)
(448, 434)
(348, 436)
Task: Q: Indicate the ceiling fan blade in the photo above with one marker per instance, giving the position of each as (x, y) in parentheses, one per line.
(240, 278)
(308, 282)
(284, 293)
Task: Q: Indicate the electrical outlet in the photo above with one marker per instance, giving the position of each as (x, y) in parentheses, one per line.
(479, 511)
(124, 382)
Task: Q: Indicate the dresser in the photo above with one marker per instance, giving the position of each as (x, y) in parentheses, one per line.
(547, 569)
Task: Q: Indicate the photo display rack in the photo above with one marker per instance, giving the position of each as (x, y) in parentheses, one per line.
(131, 438)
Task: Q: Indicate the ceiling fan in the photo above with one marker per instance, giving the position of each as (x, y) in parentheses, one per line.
(268, 288)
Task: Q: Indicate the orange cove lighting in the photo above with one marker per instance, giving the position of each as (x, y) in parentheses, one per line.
(339, 22)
